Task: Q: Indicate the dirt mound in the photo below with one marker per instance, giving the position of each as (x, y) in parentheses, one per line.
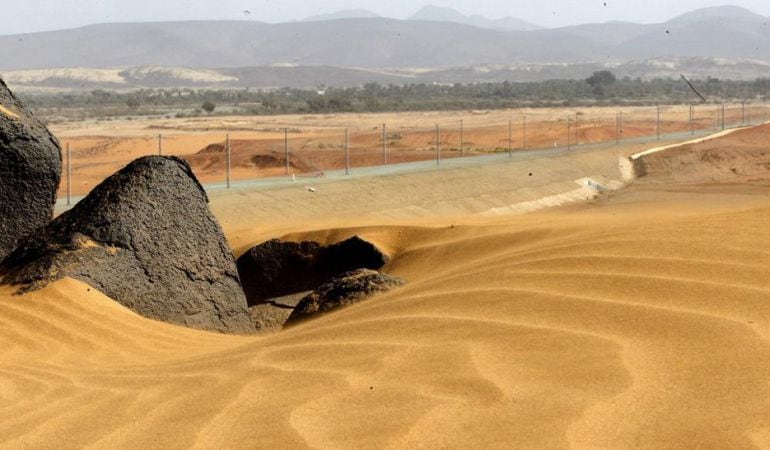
(742, 157)
(146, 238)
(276, 269)
(246, 153)
(30, 170)
(342, 291)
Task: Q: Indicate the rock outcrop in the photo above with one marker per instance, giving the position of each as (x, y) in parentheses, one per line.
(342, 291)
(30, 171)
(277, 269)
(146, 238)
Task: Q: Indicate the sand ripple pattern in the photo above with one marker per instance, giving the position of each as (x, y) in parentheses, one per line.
(558, 331)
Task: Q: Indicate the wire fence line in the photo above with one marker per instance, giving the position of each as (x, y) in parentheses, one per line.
(264, 156)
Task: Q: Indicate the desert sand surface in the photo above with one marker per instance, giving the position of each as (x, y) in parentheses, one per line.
(639, 319)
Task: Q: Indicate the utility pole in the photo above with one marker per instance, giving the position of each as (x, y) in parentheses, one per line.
(384, 145)
(286, 148)
(510, 139)
(69, 175)
(438, 145)
(347, 153)
(160, 145)
(229, 158)
(462, 145)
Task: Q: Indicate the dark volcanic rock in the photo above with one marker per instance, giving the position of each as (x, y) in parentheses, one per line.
(146, 238)
(345, 290)
(276, 269)
(30, 170)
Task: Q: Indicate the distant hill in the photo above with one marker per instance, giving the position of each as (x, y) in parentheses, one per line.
(439, 14)
(271, 77)
(345, 14)
(381, 46)
(718, 13)
(368, 43)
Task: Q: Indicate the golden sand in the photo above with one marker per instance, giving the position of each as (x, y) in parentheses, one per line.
(638, 321)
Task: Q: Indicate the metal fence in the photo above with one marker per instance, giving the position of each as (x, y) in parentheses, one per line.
(239, 156)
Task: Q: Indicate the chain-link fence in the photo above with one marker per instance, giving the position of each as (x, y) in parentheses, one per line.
(236, 156)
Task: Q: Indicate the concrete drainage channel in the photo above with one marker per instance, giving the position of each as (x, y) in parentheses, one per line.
(631, 168)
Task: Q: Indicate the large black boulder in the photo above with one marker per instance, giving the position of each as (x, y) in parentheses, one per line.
(342, 291)
(146, 238)
(277, 269)
(30, 171)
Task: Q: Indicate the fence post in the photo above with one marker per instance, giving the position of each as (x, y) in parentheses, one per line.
(743, 113)
(524, 131)
(717, 125)
(347, 153)
(692, 120)
(577, 128)
(569, 132)
(384, 145)
(229, 158)
(723, 116)
(438, 145)
(617, 128)
(510, 138)
(748, 115)
(657, 121)
(462, 146)
(69, 175)
(286, 148)
(160, 145)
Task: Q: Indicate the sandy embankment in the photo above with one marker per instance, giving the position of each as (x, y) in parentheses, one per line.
(640, 320)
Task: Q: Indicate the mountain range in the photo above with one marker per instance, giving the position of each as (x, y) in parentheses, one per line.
(431, 13)
(433, 40)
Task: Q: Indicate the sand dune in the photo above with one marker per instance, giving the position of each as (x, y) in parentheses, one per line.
(638, 321)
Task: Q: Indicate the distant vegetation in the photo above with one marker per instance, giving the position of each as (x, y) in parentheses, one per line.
(601, 89)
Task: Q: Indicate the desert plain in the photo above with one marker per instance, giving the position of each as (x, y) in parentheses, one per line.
(536, 315)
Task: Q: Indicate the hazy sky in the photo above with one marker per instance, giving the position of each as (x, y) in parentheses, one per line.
(20, 16)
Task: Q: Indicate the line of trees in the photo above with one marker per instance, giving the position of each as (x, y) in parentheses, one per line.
(602, 88)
